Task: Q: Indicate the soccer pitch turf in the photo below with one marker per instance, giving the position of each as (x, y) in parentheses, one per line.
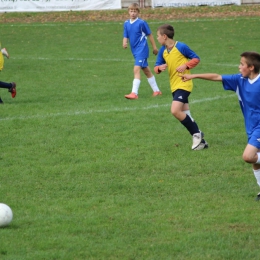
(91, 175)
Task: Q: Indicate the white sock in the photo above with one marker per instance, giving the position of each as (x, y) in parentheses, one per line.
(136, 85)
(153, 84)
(257, 176)
(187, 112)
(258, 160)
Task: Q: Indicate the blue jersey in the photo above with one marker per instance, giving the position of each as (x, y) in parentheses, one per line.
(248, 92)
(137, 32)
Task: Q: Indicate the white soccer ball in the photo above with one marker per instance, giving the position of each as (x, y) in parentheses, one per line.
(6, 215)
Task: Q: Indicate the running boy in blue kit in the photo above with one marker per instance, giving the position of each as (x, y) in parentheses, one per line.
(177, 57)
(246, 85)
(136, 31)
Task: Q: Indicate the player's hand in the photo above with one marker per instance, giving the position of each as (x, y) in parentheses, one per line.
(182, 68)
(124, 45)
(155, 51)
(162, 67)
(185, 77)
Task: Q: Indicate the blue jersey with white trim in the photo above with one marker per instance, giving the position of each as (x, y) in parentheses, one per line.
(137, 32)
(248, 92)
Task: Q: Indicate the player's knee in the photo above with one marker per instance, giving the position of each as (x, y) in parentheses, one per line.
(247, 158)
(175, 113)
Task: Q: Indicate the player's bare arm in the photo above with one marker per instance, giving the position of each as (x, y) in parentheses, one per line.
(155, 50)
(162, 67)
(125, 41)
(206, 76)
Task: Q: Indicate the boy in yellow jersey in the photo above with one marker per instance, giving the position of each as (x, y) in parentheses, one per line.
(10, 86)
(178, 58)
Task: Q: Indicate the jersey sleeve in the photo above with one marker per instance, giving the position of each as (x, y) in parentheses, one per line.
(146, 29)
(125, 33)
(192, 63)
(185, 50)
(230, 82)
(159, 60)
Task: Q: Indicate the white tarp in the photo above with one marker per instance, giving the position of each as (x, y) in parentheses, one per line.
(57, 5)
(183, 3)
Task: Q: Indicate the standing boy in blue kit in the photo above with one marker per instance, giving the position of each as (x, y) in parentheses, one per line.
(136, 31)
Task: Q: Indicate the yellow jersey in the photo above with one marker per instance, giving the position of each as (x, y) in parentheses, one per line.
(180, 54)
(1, 61)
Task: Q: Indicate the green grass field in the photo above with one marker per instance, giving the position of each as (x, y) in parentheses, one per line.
(91, 175)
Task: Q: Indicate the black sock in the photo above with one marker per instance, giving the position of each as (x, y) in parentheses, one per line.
(191, 126)
(5, 85)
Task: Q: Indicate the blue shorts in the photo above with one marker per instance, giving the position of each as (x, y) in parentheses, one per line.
(181, 95)
(143, 63)
(254, 138)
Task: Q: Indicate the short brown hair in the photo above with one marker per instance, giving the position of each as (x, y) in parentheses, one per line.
(166, 29)
(134, 6)
(252, 59)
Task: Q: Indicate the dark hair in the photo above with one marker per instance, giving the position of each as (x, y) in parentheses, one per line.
(252, 59)
(167, 30)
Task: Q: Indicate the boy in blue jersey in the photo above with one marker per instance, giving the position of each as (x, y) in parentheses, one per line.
(10, 86)
(136, 31)
(246, 84)
(177, 57)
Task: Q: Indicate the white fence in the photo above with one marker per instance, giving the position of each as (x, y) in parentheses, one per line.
(183, 3)
(57, 5)
(148, 3)
(78, 5)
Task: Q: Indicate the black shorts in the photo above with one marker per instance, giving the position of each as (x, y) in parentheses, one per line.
(181, 95)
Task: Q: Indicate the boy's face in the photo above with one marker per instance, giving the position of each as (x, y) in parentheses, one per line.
(133, 13)
(161, 38)
(244, 69)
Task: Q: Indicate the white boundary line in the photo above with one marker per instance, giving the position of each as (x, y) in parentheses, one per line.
(107, 60)
(116, 109)
(85, 112)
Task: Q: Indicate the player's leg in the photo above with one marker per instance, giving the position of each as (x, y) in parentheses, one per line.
(252, 155)
(136, 82)
(179, 105)
(186, 110)
(152, 81)
(1, 67)
(5, 53)
(10, 86)
(256, 171)
(187, 122)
